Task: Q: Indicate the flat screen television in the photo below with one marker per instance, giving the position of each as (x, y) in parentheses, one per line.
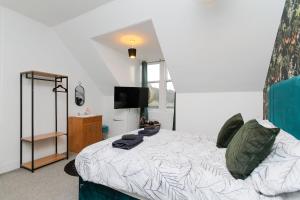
(131, 97)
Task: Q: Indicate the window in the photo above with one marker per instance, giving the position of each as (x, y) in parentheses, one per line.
(153, 73)
(170, 91)
(161, 89)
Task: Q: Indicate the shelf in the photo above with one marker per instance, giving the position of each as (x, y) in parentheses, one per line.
(57, 81)
(44, 74)
(43, 136)
(45, 161)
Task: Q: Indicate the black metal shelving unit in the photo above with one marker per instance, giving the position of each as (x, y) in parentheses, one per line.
(58, 80)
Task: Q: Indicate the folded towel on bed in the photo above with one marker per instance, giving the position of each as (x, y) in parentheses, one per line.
(127, 144)
(130, 137)
(149, 132)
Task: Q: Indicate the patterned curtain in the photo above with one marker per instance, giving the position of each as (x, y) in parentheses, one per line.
(144, 111)
(285, 61)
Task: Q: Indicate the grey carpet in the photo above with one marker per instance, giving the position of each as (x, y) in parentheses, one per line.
(47, 183)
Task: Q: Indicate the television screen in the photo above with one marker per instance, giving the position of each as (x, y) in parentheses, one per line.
(131, 97)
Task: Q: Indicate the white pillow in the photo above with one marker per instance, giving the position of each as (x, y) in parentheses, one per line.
(266, 123)
(280, 171)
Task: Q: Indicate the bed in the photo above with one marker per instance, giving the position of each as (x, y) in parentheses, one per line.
(169, 165)
(179, 165)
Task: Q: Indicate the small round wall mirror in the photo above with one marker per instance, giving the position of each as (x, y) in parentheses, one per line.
(79, 95)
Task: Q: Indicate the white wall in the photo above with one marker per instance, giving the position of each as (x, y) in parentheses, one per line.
(244, 26)
(123, 68)
(127, 73)
(119, 121)
(202, 44)
(2, 147)
(27, 45)
(164, 116)
(205, 113)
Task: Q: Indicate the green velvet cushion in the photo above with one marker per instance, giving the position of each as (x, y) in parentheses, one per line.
(248, 148)
(229, 129)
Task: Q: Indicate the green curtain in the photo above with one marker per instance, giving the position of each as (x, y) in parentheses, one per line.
(144, 111)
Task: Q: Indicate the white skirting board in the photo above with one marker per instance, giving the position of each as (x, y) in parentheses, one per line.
(9, 166)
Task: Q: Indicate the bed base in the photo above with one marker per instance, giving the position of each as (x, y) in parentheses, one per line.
(92, 191)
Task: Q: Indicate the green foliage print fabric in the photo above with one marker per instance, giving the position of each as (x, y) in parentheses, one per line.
(285, 61)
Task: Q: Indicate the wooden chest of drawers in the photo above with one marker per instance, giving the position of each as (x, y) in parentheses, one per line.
(84, 131)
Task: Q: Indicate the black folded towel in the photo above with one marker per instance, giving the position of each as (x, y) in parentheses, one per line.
(127, 144)
(130, 137)
(149, 132)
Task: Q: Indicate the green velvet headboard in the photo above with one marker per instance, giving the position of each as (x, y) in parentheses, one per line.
(284, 105)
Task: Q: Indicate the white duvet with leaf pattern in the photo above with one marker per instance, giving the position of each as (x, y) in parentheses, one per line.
(169, 165)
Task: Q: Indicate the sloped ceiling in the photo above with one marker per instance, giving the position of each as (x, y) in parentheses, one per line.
(148, 47)
(52, 12)
(209, 46)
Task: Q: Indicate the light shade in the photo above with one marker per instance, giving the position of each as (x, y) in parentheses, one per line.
(132, 39)
(132, 53)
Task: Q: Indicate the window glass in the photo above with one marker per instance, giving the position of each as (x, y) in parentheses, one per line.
(168, 76)
(170, 95)
(153, 95)
(170, 91)
(153, 72)
(153, 84)
(170, 86)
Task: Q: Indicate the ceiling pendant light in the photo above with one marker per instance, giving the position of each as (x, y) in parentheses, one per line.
(132, 51)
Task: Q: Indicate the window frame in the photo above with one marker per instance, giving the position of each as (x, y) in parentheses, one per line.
(166, 87)
(168, 107)
(163, 80)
